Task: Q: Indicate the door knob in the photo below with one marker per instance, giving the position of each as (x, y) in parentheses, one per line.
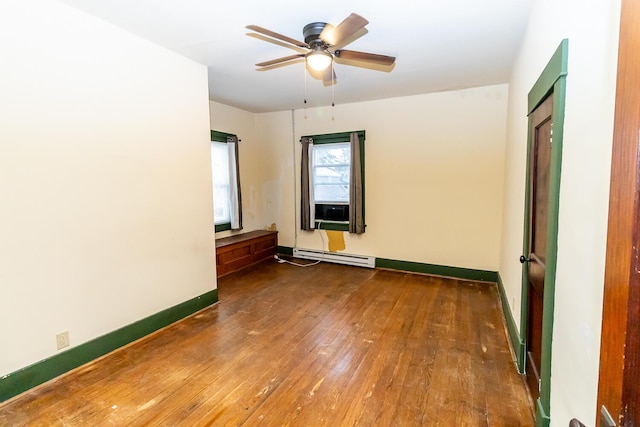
(524, 259)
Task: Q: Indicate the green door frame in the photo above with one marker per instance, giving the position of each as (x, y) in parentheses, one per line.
(552, 80)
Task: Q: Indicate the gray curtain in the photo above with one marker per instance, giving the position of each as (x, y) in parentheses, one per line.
(236, 195)
(356, 197)
(306, 213)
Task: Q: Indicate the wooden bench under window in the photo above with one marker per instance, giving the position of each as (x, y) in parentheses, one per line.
(242, 250)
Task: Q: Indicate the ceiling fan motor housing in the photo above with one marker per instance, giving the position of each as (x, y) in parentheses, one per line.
(312, 33)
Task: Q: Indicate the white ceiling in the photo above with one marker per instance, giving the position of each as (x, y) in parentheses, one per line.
(439, 44)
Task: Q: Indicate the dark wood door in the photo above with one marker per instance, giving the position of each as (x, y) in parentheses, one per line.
(538, 192)
(618, 389)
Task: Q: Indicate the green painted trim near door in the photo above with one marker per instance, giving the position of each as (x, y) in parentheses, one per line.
(542, 419)
(552, 79)
(438, 270)
(24, 379)
(552, 241)
(517, 343)
(556, 68)
(524, 303)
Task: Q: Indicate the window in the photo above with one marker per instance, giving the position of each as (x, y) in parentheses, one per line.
(220, 175)
(227, 204)
(332, 182)
(331, 172)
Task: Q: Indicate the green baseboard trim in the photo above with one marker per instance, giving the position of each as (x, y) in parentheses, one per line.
(542, 418)
(285, 250)
(40, 372)
(514, 336)
(438, 270)
(417, 267)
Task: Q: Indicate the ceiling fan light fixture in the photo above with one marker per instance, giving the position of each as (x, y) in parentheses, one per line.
(321, 40)
(319, 59)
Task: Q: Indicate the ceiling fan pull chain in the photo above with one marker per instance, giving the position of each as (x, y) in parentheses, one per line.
(333, 92)
(304, 69)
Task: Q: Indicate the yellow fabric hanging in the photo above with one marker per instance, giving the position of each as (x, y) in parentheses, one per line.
(336, 240)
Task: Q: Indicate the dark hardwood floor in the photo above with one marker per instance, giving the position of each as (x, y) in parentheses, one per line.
(325, 345)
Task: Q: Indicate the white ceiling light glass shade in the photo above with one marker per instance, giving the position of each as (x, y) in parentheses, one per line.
(319, 59)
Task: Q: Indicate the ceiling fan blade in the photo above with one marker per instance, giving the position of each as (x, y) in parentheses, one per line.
(280, 60)
(275, 35)
(277, 42)
(365, 57)
(351, 25)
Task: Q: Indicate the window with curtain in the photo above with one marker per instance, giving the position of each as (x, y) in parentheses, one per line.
(225, 174)
(333, 182)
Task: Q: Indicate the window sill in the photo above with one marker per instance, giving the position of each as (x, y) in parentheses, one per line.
(332, 225)
(223, 227)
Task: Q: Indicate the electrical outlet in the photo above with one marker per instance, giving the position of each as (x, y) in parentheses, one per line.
(62, 339)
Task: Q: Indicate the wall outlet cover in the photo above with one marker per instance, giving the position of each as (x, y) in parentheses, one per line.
(62, 340)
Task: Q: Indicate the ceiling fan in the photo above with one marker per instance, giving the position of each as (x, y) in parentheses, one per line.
(324, 43)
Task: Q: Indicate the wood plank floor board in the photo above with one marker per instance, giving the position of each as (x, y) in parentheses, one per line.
(279, 340)
(301, 323)
(389, 362)
(419, 370)
(384, 383)
(327, 345)
(335, 356)
(359, 366)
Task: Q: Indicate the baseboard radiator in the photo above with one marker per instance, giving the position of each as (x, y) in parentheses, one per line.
(338, 258)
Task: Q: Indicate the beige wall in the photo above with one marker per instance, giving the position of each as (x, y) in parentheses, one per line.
(434, 170)
(105, 183)
(592, 30)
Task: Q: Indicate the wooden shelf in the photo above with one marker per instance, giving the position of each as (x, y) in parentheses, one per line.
(242, 250)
